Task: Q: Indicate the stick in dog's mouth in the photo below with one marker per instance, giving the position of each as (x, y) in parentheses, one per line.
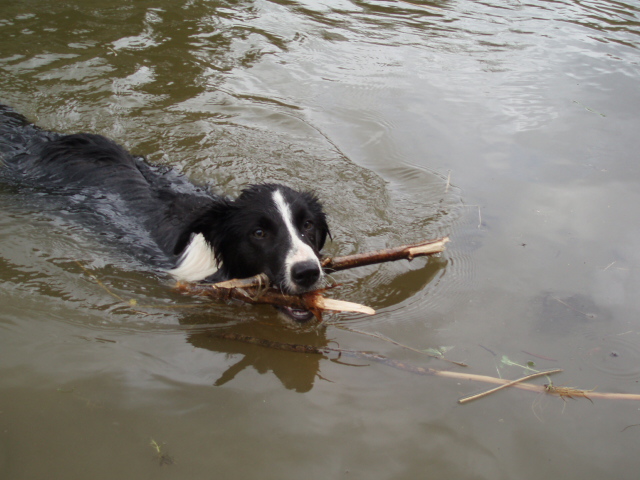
(303, 307)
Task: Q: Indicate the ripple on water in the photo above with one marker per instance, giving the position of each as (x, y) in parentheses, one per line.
(616, 355)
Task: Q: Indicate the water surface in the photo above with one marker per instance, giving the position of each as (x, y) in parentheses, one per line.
(510, 126)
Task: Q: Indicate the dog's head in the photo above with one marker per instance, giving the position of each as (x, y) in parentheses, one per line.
(270, 229)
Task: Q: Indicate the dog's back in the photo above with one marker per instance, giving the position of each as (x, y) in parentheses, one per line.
(18, 137)
(100, 178)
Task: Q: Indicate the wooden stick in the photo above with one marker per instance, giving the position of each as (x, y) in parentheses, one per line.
(333, 305)
(404, 252)
(256, 289)
(510, 384)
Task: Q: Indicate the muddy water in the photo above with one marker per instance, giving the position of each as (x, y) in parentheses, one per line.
(510, 126)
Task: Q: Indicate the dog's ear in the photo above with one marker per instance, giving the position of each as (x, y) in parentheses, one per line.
(183, 241)
(323, 231)
(208, 223)
(320, 220)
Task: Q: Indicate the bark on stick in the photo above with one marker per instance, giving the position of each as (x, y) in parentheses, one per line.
(405, 252)
(255, 290)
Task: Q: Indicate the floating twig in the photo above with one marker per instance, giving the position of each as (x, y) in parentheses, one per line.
(588, 109)
(408, 367)
(163, 458)
(539, 356)
(629, 426)
(509, 384)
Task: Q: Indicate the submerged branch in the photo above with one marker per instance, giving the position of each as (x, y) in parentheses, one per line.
(509, 384)
(390, 340)
(407, 367)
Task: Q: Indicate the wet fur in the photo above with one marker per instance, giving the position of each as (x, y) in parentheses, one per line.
(223, 238)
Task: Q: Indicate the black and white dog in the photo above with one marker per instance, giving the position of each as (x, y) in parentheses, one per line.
(198, 236)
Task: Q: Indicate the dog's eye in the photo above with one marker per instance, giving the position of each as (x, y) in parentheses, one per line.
(308, 225)
(259, 233)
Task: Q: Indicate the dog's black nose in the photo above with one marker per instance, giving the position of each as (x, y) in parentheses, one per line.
(305, 274)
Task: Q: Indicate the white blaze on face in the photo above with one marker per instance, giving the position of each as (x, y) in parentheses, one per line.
(300, 251)
(197, 261)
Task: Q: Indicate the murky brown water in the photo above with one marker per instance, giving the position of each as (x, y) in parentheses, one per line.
(511, 126)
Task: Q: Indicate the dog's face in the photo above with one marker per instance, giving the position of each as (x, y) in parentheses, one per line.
(274, 230)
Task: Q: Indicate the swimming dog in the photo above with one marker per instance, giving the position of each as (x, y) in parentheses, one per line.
(197, 236)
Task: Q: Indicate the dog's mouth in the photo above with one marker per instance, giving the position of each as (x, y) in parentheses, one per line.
(299, 315)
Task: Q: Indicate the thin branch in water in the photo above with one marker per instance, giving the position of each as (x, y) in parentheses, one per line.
(588, 315)
(488, 350)
(132, 303)
(387, 339)
(629, 426)
(514, 382)
(539, 356)
(407, 367)
(104, 287)
(588, 109)
(479, 213)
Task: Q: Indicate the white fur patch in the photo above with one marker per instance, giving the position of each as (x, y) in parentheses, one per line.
(300, 251)
(197, 261)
